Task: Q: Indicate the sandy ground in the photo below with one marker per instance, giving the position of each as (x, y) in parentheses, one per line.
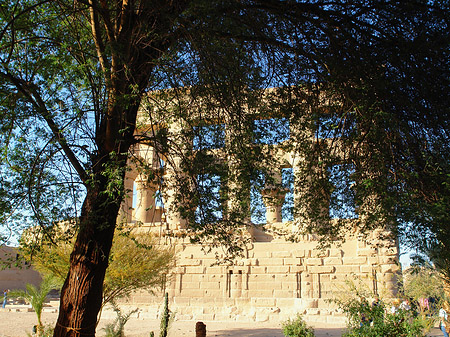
(20, 323)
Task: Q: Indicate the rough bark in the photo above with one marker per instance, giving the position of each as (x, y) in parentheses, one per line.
(81, 295)
(128, 67)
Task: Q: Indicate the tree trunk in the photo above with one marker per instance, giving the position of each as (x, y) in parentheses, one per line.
(81, 295)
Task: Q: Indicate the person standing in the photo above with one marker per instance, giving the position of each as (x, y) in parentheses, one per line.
(5, 298)
(443, 321)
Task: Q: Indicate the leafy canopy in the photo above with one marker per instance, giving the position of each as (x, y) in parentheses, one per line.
(137, 262)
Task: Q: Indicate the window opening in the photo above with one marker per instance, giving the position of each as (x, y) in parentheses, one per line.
(270, 131)
(210, 207)
(342, 201)
(287, 180)
(209, 137)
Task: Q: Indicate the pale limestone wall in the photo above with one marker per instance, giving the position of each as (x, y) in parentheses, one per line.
(275, 281)
(277, 278)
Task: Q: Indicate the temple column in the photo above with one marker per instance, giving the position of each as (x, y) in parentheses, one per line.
(126, 208)
(176, 180)
(273, 198)
(145, 203)
(172, 176)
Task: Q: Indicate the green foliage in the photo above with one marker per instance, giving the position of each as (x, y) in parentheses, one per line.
(73, 74)
(47, 331)
(165, 317)
(424, 282)
(136, 262)
(44, 331)
(36, 296)
(374, 318)
(116, 328)
(297, 328)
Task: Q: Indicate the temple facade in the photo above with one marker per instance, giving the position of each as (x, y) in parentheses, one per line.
(276, 277)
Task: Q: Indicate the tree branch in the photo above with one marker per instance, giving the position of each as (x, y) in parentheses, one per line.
(99, 46)
(32, 95)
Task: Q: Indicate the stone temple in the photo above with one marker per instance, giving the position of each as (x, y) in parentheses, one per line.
(276, 278)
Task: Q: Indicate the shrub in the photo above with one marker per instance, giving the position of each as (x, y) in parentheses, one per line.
(117, 328)
(297, 328)
(373, 320)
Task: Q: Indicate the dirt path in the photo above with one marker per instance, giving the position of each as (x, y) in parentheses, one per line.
(20, 323)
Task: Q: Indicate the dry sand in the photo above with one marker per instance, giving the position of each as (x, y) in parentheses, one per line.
(19, 324)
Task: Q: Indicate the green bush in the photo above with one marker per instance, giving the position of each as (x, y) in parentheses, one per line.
(117, 328)
(297, 328)
(373, 320)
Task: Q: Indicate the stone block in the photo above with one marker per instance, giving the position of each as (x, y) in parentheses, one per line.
(389, 268)
(262, 302)
(373, 260)
(191, 262)
(184, 317)
(195, 270)
(366, 252)
(261, 278)
(261, 317)
(191, 285)
(308, 303)
(269, 285)
(240, 270)
(299, 253)
(276, 261)
(361, 244)
(333, 261)
(283, 293)
(338, 319)
(359, 260)
(282, 254)
(291, 261)
(242, 302)
(250, 262)
(314, 261)
(222, 317)
(347, 269)
(259, 293)
(367, 269)
(296, 269)
(336, 252)
(313, 311)
(192, 292)
(205, 317)
(320, 253)
(258, 270)
(277, 269)
(306, 276)
(215, 270)
(147, 315)
(215, 277)
(285, 302)
(321, 269)
(210, 285)
(182, 301)
(291, 286)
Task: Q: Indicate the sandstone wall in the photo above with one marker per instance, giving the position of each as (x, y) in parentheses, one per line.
(275, 280)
